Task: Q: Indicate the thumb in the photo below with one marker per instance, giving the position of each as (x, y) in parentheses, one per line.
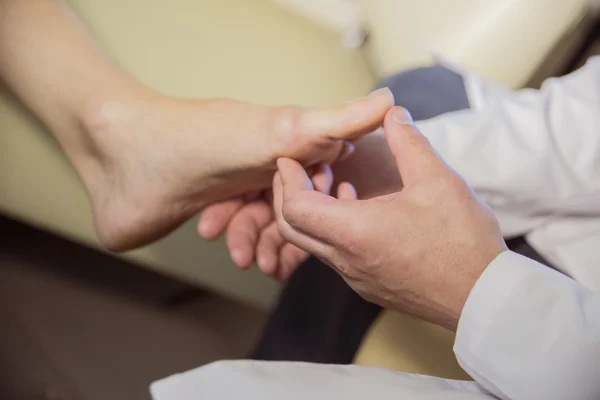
(350, 120)
(415, 157)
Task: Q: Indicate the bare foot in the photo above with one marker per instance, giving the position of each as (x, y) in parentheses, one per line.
(156, 161)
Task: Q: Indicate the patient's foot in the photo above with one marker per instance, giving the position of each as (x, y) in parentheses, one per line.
(155, 162)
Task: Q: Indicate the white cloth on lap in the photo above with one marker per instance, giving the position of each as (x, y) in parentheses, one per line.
(526, 332)
(260, 380)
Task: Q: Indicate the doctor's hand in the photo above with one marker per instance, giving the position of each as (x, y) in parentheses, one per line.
(249, 223)
(251, 230)
(419, 250)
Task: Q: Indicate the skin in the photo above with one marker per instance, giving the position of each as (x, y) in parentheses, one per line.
(420, 250)
(149, 161)
(250, 226)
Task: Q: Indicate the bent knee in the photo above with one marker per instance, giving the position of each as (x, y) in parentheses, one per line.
(428, 91)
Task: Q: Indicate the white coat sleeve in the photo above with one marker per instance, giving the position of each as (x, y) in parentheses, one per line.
(531, 153)
(529, 332)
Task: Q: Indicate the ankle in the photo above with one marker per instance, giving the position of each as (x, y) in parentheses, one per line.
(104, 129)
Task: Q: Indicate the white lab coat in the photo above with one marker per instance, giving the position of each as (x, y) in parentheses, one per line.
(534, 157)
(527, 331)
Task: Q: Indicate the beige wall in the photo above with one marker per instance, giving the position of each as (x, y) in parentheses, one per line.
(247, 49)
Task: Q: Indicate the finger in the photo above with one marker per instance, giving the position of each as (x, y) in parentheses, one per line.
(290, 257)
(288, 232)
(323, 178)
(350, 120)
(215, 218)
(271, 244)
(267, 250)
(346, 191)
(415, 157)
(314, 214)
(244, 230)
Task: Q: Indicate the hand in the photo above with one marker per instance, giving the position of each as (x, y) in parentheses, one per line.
(252, 232)
(156, 161)
(420, 250)
(251, 229)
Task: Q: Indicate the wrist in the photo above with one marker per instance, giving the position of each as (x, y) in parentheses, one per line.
(104, 121)
(466, 280)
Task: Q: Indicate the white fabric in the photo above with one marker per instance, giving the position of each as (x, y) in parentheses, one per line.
(534, 156)
(255, 380)
(527, 331)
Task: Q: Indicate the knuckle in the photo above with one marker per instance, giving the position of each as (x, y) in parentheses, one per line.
(244, 232)
(247, 235)
(454, 188)
(354, 242)
(250, 230)
(419, 140)
(297, 210)
(289, 213)
(356, 237)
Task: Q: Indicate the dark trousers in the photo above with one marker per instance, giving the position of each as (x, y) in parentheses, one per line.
(319, 318)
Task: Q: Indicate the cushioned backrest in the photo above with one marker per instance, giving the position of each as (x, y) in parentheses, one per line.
(502, 40)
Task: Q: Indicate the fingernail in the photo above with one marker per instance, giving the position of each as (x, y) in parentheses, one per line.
(346, 151)
(380, 92)
(402, 116)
